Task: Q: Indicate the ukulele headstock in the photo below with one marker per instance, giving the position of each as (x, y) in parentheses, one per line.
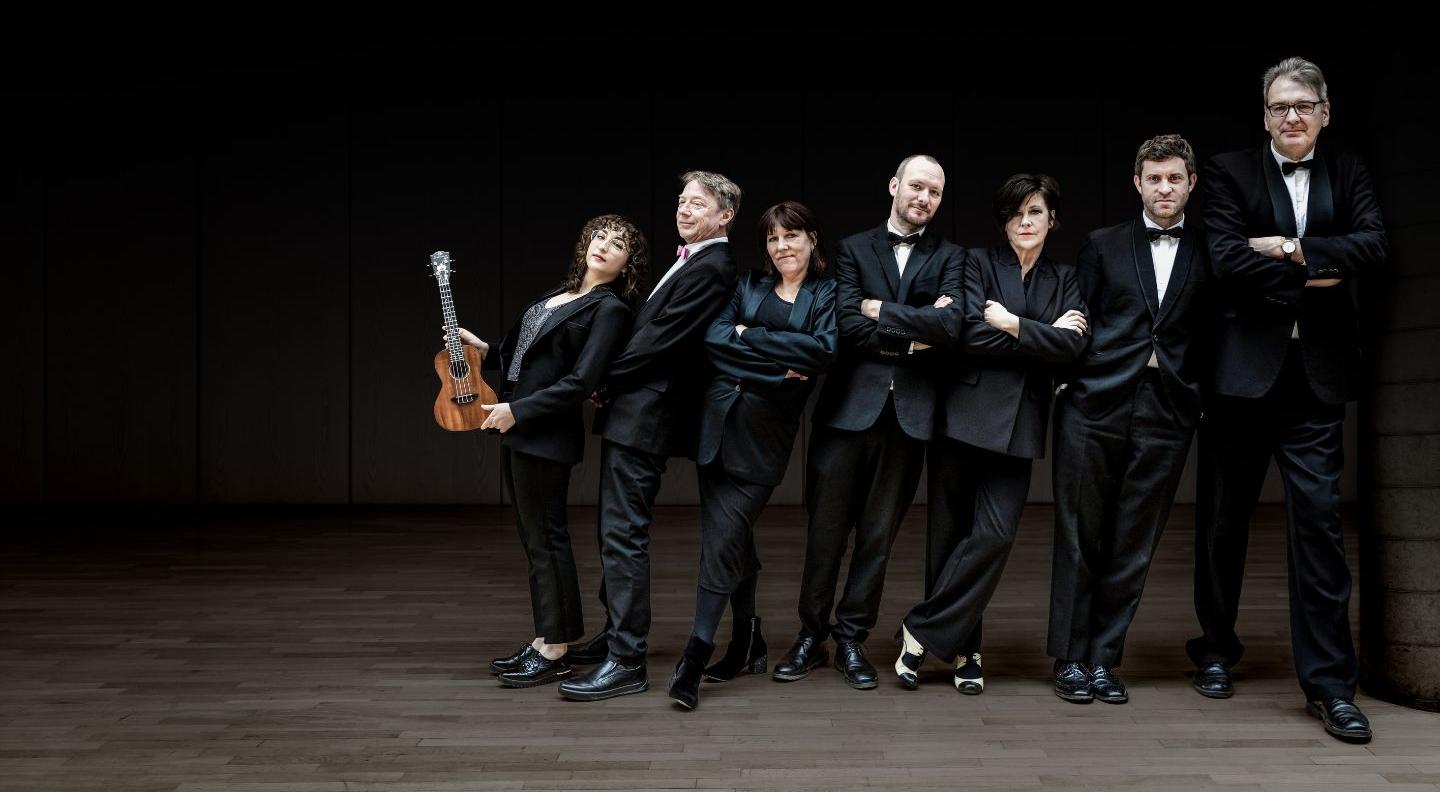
(440, 266)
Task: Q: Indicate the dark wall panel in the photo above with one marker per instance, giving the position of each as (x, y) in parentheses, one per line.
(22, 301)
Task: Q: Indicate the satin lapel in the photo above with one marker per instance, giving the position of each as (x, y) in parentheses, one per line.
(1179, 275)
(885, 258)
(646, 312)
(1044, 285)
(1321, 209)
(754, 297)
(1279, 196)
(919, 256)
(1007, 275)
(1145, 267)
(566, 311)
(800, 311)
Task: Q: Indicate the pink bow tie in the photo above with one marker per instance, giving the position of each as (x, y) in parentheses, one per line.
(682, 251)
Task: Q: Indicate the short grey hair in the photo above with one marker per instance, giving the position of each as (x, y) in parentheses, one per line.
(900, 171)
(725, 191)
(1299, 70)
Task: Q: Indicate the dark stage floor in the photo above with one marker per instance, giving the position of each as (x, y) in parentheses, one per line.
(317, 651)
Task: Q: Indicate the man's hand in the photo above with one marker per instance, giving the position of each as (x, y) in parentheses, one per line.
(1072, 320)
(1268, 246)
(793, 374)
(500, 417)
(1322, 283)
(871, 309)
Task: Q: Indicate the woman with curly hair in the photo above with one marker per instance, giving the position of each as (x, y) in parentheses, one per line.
(552, 359)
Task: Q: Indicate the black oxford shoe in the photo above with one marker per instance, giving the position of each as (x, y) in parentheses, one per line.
(607, 680)
(1213, 681)
(1105, 685)
(1072, 683)
(535, 670)
(502, 664)
(1343, 720)
(591, 652)
(851, 663)
(806, 654)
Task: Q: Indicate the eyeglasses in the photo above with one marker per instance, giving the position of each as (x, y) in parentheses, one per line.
(1280, 109)
(617, 242)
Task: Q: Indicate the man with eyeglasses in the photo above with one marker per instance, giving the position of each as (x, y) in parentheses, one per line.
(1291, 224)
(651, 412)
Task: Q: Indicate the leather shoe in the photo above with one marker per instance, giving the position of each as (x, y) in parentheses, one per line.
(685, 681)
(592, 651)
(607, 680)
(806, 654)
(535, 670)
(968, 679)
(502, 664)
(851, 663)
(1213, 681)
(1105, 685)
(1342, 719)
(1072, 683)
(747, 653)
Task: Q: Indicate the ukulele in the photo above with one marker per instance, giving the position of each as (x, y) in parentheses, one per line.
(462, 390)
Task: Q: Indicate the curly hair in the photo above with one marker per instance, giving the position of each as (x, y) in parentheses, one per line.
(627, 283)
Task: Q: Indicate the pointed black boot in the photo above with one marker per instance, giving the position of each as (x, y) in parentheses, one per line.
(746, 653)
(685, 682)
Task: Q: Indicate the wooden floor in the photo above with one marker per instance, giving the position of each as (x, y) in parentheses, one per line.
(317, 651)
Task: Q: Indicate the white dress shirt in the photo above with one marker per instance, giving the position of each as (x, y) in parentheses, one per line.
(902, 252)
(1162, 252)
(680, 260)
(1298, 183)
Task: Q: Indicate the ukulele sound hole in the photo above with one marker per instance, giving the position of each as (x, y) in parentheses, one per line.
(459, 369)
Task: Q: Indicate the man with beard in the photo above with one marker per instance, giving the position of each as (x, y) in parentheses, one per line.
(874, 415)
(1123, 424)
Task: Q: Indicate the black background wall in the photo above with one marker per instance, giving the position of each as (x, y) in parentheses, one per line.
(215, 286)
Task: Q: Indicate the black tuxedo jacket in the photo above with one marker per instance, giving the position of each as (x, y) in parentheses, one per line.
(561, 368)
(751, 410)
(998, 394)
(1261, 298)
(1127, 322)
(653, 389)
(873, 354)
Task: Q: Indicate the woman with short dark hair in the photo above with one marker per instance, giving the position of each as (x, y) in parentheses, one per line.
(1023, 318)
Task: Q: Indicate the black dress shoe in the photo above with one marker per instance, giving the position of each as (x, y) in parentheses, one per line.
(1213, 681)
(747, 653)
(1072, 683)
(851, 663)
(685, 681)
(607, 680)
(535, 670)
(806, 654)
(502, 664)
(592, 651)
(1342, 719)
(1105, 685)
(968, 679)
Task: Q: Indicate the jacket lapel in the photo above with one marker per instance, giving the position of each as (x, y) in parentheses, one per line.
(800, 312)
(1179, 274)
(885, 257)
(1007, 274)
(647, 312)
(756, 295)
(1043, 286)
(919, 256)
(1320, 212)
(566, 311)
(1280, 201)
(1145, 267)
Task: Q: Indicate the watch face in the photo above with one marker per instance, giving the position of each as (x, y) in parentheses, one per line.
(1288, 247)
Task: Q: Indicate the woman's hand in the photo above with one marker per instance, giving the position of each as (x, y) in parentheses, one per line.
(943, 301)
(740, 330)
(1000, 318)
(500, 417)
(793, 374)
(467, 337)
(1073, 320)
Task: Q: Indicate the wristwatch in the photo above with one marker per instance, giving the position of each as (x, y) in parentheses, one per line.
(1288, 246)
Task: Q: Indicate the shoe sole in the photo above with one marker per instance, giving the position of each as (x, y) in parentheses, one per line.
(625, 690)
(1214, 694)
(529, 683)
(862, 685)
(687, 706)
(1075, 699)
(1339, 734)
(1117, 700)
(779, 677)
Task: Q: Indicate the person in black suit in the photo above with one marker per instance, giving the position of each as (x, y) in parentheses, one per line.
(874, 415)
(552, 359)
(1291, 225)
(777, 334)
(1023, 317)
(1124, 422)
(651, 397)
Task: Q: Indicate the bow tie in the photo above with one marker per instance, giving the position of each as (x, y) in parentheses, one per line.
(682, 251)
(1156, 234)
(1288, 168)
(896, 239)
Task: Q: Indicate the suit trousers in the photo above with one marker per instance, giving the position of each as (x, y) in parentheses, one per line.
(538, 488)
(976, 498)
(629, 482)
(1115, 480)
(860, 482)
(729, 507)
(1305, 437)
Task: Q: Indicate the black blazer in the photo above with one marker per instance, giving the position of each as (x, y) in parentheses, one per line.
(873, 354)
(653, 389)
(998, 395)
(559, 372)
(1261, 298)
(751, 410)
(1127, 323)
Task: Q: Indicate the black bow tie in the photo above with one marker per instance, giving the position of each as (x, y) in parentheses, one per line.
(1288, 168)
(1156, 234)
(908, 239)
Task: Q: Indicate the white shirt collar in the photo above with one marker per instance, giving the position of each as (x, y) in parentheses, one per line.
(699, 246)
(1152, 224)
